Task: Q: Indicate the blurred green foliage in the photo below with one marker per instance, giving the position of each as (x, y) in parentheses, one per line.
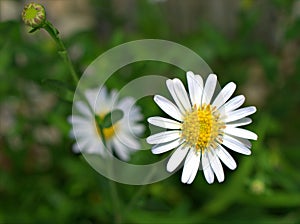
(43, 181)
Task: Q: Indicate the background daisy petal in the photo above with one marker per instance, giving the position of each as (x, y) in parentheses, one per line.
(74, 119)
(121, 150)
(128, 140)
(91, 96)
(83, 108)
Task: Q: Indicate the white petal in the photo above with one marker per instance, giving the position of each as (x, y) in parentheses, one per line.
(121, 150)
(235, 145)
(178, 93)
(76, 148)
(226, 157)
(195, 169)
(209, 88)
(191, 166)
(246, 142)
(83, 108)
(137, 129)
(164, 122)
(240, 122)
(81, 144)
(96, 147)
(216, 165)
(161, 148)
(176, 158)
(134, 113)
(242, 133)
(127, 139)
(78, 120)
(171, 89)
(112, 100)
(168, 107)
(195, 85)
(84, 142)
(83, 130)
(182, 94)
(233, 104)
(208, 173)
(163, 137)
(126, 104)
(238, 114)
(91, 96)
(224, 95)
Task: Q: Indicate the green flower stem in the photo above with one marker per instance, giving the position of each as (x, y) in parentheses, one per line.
(139, 193)
(112, 184)
(114, 192)
(62, 49)
(116, 202)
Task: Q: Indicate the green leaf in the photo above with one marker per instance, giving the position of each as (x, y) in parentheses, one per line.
(63, 90)
(111, 118)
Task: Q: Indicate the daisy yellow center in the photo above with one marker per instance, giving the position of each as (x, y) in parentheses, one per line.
(107, 132)
(31, 13)
(202, 127)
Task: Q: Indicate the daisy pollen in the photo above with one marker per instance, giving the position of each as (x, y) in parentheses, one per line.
(107, 132)
(203, 128)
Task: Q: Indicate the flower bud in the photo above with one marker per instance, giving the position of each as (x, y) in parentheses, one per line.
(34, 15)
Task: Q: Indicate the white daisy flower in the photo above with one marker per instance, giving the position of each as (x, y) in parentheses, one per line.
(203, 128)
(120, 137)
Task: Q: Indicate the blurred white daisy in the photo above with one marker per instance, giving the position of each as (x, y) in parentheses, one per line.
(203, 128)
(120, 137)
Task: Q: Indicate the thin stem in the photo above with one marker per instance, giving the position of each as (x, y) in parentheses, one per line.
(135, 198)
(64, 54)
(113, 189)
(139, 193)
(62, 49)
(112, 184)
(116, 202)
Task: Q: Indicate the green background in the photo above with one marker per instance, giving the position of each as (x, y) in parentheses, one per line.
(43, 181)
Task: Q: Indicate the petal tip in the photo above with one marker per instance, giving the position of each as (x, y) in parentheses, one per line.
(190, 73)
(212, 76)
(149, 119)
